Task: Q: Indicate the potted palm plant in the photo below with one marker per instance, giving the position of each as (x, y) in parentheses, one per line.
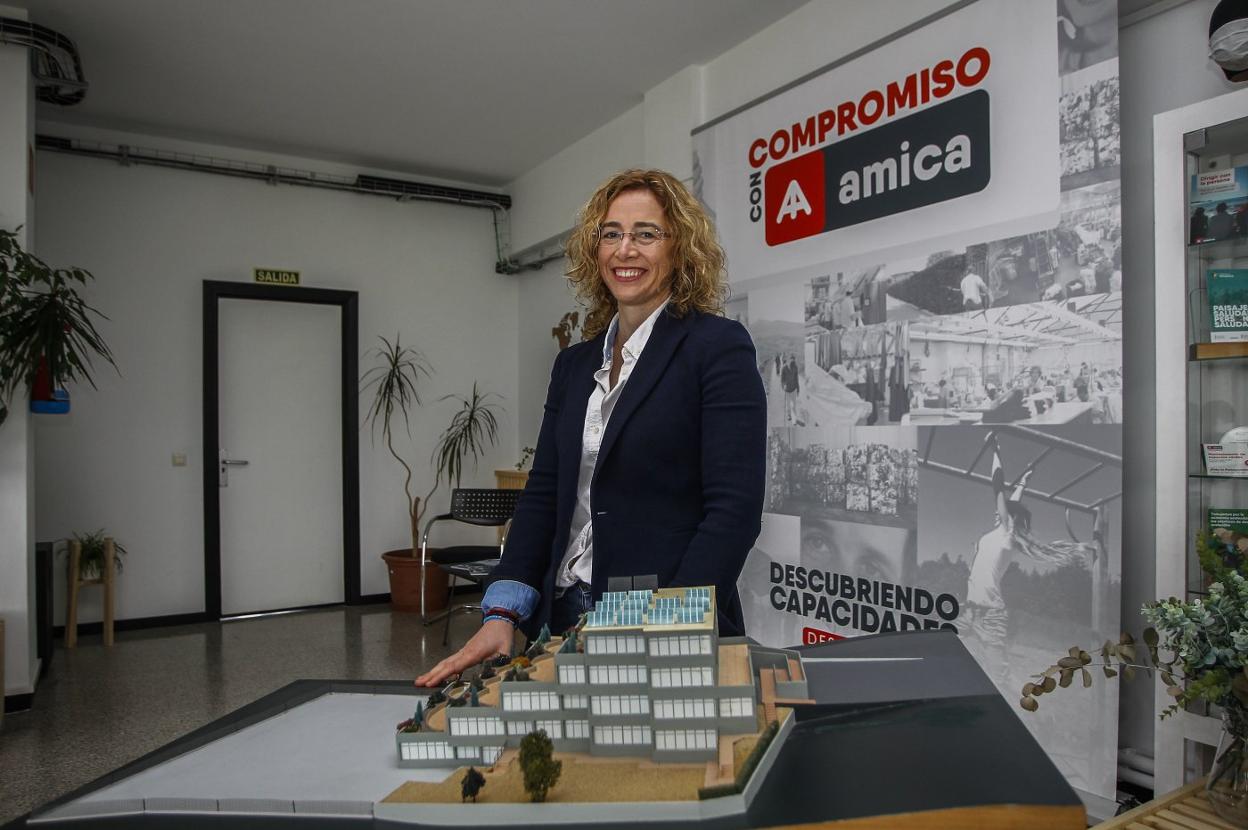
(47, 338)
(395, 380)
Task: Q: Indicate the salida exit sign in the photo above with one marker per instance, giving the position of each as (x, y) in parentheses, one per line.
(274, 276)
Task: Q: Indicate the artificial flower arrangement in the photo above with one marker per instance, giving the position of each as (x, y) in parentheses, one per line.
(1199, 650)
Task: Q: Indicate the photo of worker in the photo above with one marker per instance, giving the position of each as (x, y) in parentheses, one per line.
(855, 376)
(1040, 363)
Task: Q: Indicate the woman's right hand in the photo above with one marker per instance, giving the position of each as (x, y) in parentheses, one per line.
(492, 639)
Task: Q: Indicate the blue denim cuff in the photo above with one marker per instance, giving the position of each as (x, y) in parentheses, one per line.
(512, 595)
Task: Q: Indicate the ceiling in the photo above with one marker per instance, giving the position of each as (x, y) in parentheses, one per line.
(478, 91)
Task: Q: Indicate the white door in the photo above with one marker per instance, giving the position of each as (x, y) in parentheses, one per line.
(280, 407)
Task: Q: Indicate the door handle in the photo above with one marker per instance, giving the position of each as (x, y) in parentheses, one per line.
(223, 468)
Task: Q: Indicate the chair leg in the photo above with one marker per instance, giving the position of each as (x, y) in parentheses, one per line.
(110, 573)
(424, 549)
(71, 602)
(450, 609)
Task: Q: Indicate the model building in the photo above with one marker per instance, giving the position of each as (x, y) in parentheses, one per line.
(643, 674)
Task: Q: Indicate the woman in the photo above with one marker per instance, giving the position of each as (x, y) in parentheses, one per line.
(657, 423)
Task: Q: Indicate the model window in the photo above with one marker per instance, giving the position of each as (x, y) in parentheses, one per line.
(575, 701)
(476, 726)
(489, 754)
(553, 728)
(577, 728)
(685, 739)
(685, 644)
(616, 644)
(622, 735)
(571, 674)
(426, 750)
(683, 676)
(695, 644)
(677, 709)
(736, 707)
(619, 704)
(519, 727)
(617, 674)
(525, 701)
(467, 751)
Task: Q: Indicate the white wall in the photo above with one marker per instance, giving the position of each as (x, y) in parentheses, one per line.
(17, 468)
(545, 199)
(1163, 65)
(151, 236)
(810, 38)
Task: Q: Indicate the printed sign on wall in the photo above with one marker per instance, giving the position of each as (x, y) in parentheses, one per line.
(925, 244)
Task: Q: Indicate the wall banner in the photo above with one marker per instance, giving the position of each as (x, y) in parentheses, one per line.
(924, 242)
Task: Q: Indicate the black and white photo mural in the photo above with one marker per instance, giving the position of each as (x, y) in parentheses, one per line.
(925, 244)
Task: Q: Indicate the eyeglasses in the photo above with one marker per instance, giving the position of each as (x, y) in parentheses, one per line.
(610, 237)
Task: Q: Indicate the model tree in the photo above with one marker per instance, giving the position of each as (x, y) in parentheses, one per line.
(541, 771)
(470, 785)
(538, 646)
(414, 723)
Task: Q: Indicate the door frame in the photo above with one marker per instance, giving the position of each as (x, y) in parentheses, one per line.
(348, 303)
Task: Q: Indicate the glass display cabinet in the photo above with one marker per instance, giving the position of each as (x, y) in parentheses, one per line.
(1201, 247)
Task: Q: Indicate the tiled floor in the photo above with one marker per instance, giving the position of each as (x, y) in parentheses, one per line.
(99, 708)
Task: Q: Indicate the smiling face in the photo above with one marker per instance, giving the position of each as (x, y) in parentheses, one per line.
(639, 277)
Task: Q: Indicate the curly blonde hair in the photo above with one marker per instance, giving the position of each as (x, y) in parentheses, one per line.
(698, 279)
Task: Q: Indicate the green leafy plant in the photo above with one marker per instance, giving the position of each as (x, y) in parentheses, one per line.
(525, 455)
(91, 561)
(43, 323)
(473, 429)
(395, 381)
(1198, 648)
(541, 771)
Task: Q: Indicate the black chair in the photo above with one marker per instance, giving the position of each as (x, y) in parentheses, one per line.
(481, 507)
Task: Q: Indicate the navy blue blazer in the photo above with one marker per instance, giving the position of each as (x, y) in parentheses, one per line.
(678, 489)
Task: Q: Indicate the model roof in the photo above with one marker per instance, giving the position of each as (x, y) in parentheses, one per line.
(665, 608)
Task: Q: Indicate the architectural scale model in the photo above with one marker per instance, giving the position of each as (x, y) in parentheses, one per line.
(643, 674)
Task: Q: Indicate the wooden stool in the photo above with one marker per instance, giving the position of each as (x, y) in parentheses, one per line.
(75, 582)
(1187, 808)
(511, 479)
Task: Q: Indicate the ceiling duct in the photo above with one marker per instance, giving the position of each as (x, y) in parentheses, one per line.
(399, 189)
(404, 190)
(54, 61)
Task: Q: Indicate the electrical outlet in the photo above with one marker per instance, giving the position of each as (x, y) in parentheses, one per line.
(179, 459)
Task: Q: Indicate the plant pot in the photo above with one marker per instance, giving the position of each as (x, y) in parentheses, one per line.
(41, 388)
(404, 570)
